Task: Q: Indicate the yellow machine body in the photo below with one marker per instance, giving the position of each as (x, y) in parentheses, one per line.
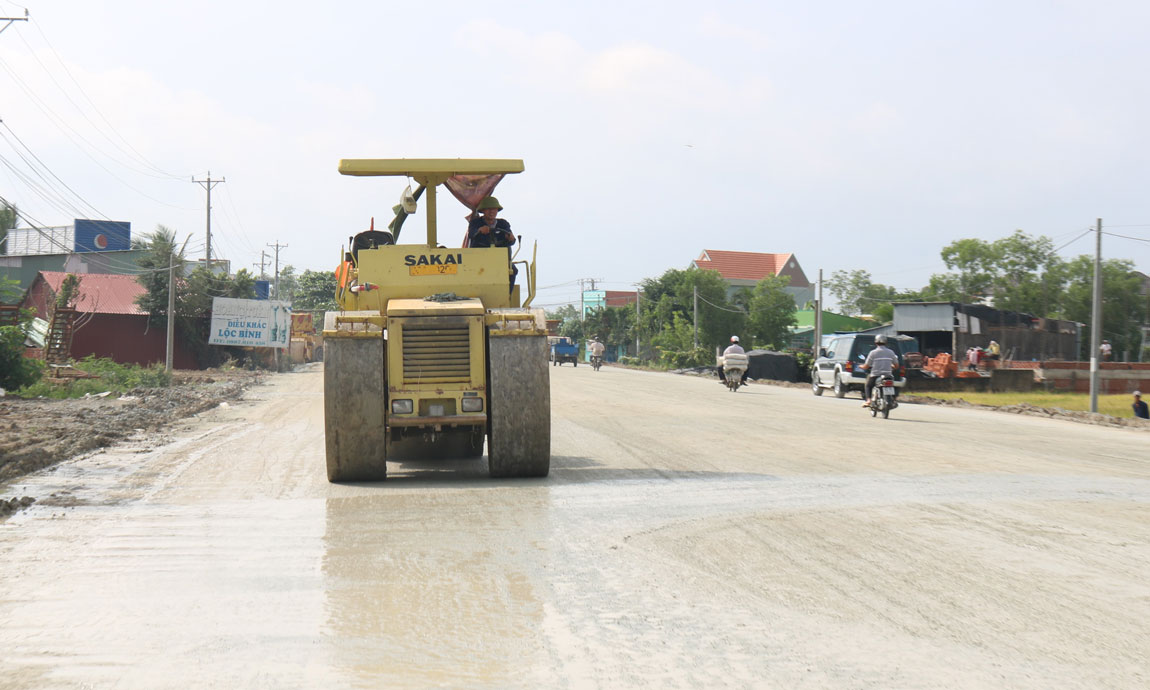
(422, 332)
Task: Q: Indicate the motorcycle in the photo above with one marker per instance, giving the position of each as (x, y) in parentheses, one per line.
(734, 366)
(596, 362)
(882, 396)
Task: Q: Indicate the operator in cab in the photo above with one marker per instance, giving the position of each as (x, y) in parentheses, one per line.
(733, 349)
(487, 230)
(881, 360)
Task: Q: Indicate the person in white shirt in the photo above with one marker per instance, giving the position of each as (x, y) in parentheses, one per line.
(733, 349)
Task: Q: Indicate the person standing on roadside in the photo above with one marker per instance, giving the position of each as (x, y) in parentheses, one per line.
(1140, 409)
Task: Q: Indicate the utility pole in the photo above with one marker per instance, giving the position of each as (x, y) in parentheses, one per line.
(817, 343)
(637, 350)
(171, 309)
(9, 20)
(696, 316)
(263, 260)
(277, 246)
(1096, 318)
(582, 303)
(208, 184)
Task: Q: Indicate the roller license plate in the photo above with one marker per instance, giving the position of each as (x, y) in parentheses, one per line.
(447, 269)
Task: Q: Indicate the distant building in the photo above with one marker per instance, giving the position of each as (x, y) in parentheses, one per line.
(109, 322)
(597, 299)
(745, 269)
(953, 327)
(803, 331)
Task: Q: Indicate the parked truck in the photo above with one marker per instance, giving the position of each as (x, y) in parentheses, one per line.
(563, 349)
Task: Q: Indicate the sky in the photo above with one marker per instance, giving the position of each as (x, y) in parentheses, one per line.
(853, 135)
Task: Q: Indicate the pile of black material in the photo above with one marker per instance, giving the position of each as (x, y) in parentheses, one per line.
(773, 366)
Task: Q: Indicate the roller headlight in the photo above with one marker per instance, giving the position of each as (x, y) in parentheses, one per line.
(401, 407)
(471, 404)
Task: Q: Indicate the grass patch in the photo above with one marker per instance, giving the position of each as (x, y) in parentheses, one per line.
(1114, 405)
(118, 378)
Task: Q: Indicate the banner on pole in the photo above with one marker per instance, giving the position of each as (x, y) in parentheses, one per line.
(250, 323)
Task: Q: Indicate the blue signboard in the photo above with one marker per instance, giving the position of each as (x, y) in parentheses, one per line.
(263, 289)
(103, 235)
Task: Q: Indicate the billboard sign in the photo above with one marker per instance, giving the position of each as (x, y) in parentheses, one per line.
(102, 235)
(250, 323)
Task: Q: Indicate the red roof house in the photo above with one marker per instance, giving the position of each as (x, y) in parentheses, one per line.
(110, 323)
(744, 269)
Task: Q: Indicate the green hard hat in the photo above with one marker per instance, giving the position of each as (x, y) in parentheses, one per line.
(489, 202)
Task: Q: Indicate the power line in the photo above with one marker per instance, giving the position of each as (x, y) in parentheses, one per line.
(45, 167)
(1084, 233)
(96, 108)
(72, 135)
(1125, 237)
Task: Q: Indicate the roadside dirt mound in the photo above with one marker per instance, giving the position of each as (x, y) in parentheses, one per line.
(1038, 411)
(39, 433)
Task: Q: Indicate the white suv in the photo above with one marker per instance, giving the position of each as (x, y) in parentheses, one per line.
(837, 366)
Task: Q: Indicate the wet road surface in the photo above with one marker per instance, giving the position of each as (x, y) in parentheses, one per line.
(687, 537)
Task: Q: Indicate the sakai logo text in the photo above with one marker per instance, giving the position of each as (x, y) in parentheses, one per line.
(432, 260)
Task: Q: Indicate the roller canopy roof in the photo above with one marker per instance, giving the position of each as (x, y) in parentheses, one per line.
(429, 170)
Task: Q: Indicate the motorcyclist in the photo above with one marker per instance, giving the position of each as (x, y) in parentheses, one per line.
(881, 360)
(596, 348)
(733, 349)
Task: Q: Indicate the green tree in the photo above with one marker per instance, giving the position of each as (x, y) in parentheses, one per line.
(672, 294)
(614, 326)
(160, 251)
(9, 217)
(771, 313)
(69, 291)
(1029, 276)
(315, 291)
(974, 260)
(288, 284)
(1022, 273)
(10, 290)
(675, 344)
(16, 370)
(857, 295)
(1122, 307)
(567, 311)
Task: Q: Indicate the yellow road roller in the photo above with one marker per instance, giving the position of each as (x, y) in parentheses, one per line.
(433, 351)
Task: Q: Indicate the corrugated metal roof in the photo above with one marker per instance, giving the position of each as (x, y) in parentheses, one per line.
(742, 265)
(914, 317)
(101, 293)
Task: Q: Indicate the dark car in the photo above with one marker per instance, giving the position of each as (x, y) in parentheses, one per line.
(837, 366)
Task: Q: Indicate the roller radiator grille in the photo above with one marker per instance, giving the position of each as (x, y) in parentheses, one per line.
(436, 354)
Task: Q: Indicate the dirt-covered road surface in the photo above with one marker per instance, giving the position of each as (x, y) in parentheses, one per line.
(687, 537)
